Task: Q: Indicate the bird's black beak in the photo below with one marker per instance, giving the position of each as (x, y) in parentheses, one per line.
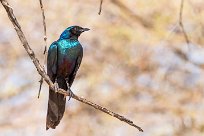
(85, 29)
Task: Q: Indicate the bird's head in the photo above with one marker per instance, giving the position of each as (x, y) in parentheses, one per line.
(73, 32)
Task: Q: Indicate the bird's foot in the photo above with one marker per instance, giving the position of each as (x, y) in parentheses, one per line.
(68, 89)
(70, 93)
(56, 86)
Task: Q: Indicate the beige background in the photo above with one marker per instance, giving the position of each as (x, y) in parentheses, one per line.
(144, 73)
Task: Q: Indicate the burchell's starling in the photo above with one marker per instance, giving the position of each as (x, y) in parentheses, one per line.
(63, 61)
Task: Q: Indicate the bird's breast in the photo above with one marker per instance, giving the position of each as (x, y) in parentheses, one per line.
(68, 52)
(66, 67)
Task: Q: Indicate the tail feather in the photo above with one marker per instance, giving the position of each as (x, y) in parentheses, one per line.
(56, 106)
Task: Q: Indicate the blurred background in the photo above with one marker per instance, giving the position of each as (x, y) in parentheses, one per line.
(136, 63)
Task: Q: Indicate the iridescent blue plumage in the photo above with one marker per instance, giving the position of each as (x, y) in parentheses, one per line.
(64, 59)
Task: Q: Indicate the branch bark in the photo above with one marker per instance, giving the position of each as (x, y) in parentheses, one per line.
(42, 72)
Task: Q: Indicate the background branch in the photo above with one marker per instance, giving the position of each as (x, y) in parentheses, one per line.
(145, 22)
(45, 40)
(181, 23)
(42, 72)
(100, 7)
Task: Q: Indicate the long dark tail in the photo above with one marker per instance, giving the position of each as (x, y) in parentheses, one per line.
(56, 106)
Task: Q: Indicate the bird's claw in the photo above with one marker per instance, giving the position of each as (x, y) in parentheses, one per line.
(70, 93)
(56, 86)
(68, 89)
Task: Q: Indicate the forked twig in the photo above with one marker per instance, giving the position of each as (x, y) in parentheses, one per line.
(42, 72)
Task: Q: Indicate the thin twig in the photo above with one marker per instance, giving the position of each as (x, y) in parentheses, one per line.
(41, 82)
(181, 24)
(100, 7)
(45, 40)
(42, 72)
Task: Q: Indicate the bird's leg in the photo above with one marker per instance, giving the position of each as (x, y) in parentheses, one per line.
(68, 88)
(56, 85)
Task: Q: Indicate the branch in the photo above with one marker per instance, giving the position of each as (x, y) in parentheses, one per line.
(100, 7)
(181, 23)
(145, 22)
(45, 40)
(41, 71)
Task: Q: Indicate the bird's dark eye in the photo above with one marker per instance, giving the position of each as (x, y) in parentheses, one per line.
(74, 30)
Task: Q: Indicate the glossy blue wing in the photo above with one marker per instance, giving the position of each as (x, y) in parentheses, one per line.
(52, 61)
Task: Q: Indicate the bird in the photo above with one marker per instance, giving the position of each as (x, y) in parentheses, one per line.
(63, 61)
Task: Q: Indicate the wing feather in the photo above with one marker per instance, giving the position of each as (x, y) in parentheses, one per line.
(52, 61)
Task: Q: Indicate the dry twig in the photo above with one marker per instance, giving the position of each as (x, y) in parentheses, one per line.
(45, 40)
(42, 72)
(100, 7)
(181, 23)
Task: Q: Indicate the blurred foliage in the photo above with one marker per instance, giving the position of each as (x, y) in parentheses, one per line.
(145, 73)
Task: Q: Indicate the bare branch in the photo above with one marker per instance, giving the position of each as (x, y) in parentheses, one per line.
(45, 40)
(44, 26)
(181, 23)
(100, 7)
(42, 72)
